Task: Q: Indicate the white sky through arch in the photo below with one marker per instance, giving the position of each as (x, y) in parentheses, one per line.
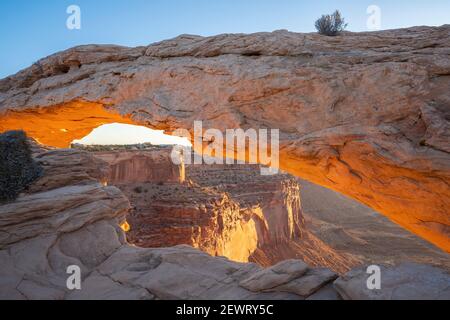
(122, 134)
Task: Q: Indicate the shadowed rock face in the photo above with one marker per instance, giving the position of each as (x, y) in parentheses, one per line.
(274, 204)
(365, 114)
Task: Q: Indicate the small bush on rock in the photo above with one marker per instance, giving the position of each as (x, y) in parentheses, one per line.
(331, 25)
(17, 167)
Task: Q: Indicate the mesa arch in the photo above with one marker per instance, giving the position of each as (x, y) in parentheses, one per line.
(365, 114)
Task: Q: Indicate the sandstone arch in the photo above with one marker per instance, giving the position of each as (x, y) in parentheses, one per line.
(365, 114)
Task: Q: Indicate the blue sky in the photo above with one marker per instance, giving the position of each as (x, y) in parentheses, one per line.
(34, 29)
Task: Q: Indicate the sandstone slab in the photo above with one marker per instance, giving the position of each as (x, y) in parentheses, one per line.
(309, 283)
(405, 282)
(275, 276)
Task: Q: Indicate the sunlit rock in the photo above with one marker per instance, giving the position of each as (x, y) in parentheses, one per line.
(364, 114)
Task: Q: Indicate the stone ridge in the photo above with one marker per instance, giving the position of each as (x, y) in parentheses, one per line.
(401, 45)
(142, 166)
(277, 43)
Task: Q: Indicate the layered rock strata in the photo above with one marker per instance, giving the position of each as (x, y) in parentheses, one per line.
(224, 210)
(143, 166)
(76, 222)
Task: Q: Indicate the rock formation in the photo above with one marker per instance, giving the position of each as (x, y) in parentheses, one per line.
(142, 166)
(365, 114)
(274, 204)
(255, 212)
(355, 229)
(224, 210)
(75, 221)
(418, 282)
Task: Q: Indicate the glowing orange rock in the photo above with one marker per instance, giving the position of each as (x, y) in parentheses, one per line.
(125, 226)
(60, 125)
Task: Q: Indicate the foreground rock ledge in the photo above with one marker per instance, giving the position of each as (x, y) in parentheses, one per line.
(365, 114)
(69, 218)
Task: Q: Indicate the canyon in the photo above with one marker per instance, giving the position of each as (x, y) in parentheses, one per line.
(234, 211)
(224, 210)
(70, 216)
(364, 114)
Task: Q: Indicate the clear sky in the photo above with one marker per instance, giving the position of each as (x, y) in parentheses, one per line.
(33, 29)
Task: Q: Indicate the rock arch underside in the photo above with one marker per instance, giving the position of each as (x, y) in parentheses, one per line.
(365, 114)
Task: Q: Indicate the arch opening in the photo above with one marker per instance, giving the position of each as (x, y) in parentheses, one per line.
(393, 192)
(129, 134)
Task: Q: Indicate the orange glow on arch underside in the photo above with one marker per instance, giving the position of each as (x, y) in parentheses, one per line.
(58, 126)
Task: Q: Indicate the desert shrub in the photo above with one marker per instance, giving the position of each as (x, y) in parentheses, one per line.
(17, 167)
(331, 25)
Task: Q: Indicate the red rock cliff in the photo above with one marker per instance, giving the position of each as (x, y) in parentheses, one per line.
(229, 211)
(142, 166)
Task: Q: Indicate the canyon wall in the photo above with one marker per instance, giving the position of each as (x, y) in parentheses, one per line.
(274, 203)
(275, 200)
(354, 229)
(143, 166)
(69, 218)
(365, 114)
(230, 211)
(170, 215)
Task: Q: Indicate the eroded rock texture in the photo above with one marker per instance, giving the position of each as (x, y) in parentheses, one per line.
(365, 114)
(419, 282)
(67, 221)
(143, 166)
(70, 218)
(225, 210)
(273, 205)
(234, 211)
